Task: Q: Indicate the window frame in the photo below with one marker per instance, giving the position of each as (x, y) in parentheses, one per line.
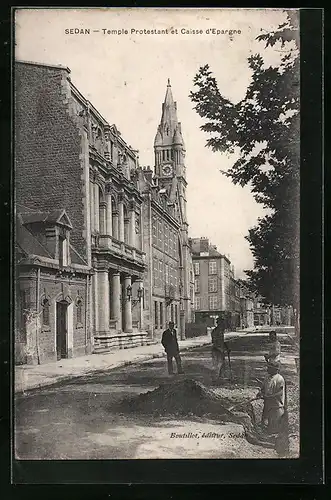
(212, 267)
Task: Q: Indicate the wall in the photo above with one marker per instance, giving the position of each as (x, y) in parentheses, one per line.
(41, 339)
(49, 173)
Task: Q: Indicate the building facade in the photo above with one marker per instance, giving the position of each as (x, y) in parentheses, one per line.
(214, 284)
(68, 157)
(168, 275)
(52, 288)
(246, 306)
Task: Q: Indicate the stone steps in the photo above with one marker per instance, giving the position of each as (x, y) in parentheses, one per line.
(107, 343)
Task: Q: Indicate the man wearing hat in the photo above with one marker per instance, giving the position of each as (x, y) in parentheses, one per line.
(218, 347)
(274, 348)
(273, 394)
(170, 344)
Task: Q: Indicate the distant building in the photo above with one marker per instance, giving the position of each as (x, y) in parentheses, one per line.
(216, 291)
(246, 306)
(261, 313)
(168, 275)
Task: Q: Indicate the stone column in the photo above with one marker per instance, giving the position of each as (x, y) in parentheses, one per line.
(92, 206)
(141, 306)
(132, 228)
(120, 220)
(115, 224)
(95, 301)
(103, 301)
(126, 238)
(116, 299)
(102, 218)
(127, 307)
(96, 208)
(109, 216)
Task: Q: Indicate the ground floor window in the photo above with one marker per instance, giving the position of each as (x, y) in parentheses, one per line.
(156, 318)
(161, 315)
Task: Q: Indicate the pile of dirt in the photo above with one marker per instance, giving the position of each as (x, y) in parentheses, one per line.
(188, 398)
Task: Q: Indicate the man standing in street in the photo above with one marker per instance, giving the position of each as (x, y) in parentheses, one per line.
(170, 344)
(274, 348)
(218, 348)
(273, 394)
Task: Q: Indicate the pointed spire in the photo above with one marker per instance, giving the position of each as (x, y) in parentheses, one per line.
(168, 133)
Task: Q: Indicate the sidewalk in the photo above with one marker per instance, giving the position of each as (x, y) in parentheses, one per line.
(29, 377)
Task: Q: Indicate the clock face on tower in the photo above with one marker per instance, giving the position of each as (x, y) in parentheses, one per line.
(167, 170)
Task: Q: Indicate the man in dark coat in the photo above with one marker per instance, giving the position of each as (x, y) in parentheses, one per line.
(170, 344)
(218, 348)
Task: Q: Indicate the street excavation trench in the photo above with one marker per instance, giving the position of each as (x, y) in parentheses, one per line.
(190, 399)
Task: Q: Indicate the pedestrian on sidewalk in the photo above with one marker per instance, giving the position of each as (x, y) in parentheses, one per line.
(218, 348)
(170, 344)
(274, 348)
(273, 394)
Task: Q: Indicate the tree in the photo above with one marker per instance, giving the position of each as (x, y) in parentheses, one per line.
(264, 128)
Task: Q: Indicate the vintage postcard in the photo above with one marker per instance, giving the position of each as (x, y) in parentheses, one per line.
(157, 173)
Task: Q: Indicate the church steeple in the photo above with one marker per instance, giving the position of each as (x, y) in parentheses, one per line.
(169, 145)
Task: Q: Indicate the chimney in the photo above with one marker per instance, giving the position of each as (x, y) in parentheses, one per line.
(148, 173)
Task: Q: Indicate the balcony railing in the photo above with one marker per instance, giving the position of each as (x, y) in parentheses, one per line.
(106, 242)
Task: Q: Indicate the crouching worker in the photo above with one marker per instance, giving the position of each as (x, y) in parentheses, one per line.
(170, 344)
(273, 394)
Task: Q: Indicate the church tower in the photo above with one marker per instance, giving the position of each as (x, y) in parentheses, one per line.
(169, 150)
(170, 174)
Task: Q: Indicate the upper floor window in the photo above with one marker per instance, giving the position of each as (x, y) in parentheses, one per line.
(197, 285)
(212, 267)
(197, 303)
(161, 273)
(212, 284)
(213, 302)
(166, 238)
(155, 272)
(167, 274)
(154, 224)
(159, 233)
(196, 268)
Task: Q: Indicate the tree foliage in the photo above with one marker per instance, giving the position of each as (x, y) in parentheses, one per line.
(264, 128)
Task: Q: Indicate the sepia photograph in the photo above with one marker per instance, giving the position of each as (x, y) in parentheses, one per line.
(156, 226)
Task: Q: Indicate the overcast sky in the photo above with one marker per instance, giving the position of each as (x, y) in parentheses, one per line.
(125, 78)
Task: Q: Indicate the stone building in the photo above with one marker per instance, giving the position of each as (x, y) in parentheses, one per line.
(168, 275)
(68, 158)
(214, 283)
(52, 289)
(246, 306)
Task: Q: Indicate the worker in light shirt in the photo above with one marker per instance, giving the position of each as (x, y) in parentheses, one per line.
(273, 394)
(274, 348)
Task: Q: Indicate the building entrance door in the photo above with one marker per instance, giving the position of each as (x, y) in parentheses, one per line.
(61, 330)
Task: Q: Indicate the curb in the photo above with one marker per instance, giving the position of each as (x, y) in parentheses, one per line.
(98, 371)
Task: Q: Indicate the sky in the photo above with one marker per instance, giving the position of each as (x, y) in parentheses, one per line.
(125, 76)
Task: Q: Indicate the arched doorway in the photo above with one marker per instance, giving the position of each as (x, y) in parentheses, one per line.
(61, 329)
